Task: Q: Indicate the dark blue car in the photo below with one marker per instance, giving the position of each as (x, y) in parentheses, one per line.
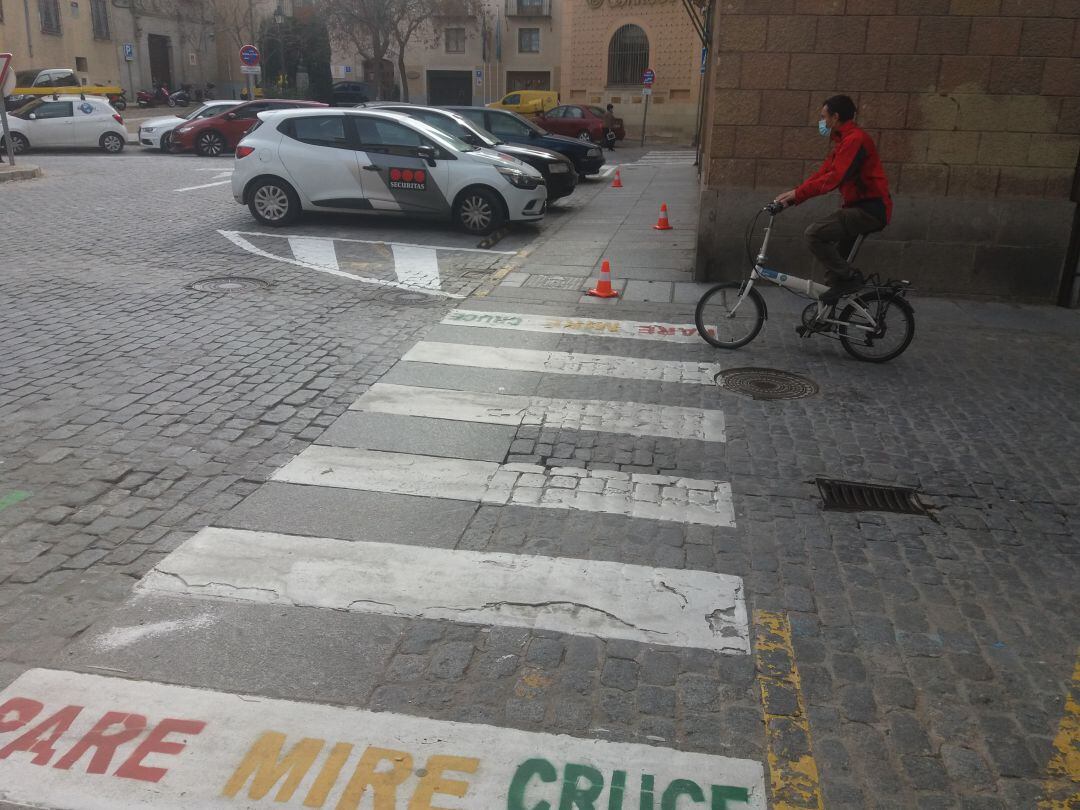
(513, 128)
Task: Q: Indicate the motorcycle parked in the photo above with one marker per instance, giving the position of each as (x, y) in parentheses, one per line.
(182, 97)
(119, 101)
(159, 96)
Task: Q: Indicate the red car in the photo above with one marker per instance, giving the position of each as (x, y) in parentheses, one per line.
(211, 136)
(581, 121)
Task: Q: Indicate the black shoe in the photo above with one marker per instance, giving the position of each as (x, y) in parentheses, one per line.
(843, 287)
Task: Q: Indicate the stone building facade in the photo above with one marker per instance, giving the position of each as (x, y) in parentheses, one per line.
(674, 54)
(974, 104)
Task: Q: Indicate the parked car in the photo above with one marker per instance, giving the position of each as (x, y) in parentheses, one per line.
(219, 133)
(558, 170)
(582, 121)
(513, 128)
(346, 93)
(157, 132)
(380, 162)
(527, 102)
(64, 122)
(36, 82)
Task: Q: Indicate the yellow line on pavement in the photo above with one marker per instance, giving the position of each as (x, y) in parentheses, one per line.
(793, 772)
(1063, 772)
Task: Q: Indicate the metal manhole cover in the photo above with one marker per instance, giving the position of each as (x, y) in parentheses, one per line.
(766, 383)
(229, 284)
(409, 298)
(849, 496)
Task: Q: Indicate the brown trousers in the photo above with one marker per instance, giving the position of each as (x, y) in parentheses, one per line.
(831, 239)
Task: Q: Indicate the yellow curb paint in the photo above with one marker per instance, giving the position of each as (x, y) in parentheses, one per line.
(793, 780)
(1063, 772)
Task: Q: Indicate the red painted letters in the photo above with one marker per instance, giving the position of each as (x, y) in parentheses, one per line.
(155, 743)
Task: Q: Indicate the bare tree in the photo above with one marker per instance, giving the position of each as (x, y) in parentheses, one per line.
(414, 22)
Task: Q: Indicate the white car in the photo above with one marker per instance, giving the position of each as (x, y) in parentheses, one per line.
(67, 121)
(327, 159)
(157, 132)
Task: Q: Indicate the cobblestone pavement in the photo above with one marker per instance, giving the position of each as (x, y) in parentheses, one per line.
(898, 661)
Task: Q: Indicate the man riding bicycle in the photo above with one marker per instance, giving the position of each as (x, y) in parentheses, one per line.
(854, 167)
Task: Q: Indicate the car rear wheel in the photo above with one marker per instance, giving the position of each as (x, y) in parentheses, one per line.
(584, 136)
(112, 143)
(479, 211)
(210, 144)
(19, 144)
(166, 142)
(273, 202)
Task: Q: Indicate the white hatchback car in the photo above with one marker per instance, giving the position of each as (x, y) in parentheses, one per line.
(64, 122)
(380, 162)
(157, 132)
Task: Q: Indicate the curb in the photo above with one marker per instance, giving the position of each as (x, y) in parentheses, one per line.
(19, 173)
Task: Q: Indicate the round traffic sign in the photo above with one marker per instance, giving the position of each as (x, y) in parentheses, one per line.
(648, 77)
(249, 55)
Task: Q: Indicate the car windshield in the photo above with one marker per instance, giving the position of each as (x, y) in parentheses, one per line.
(25, 78)
(538, 130)
(205, 111)
(596, 111)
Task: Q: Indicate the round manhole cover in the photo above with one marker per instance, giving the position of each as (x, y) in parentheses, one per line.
(229, 284)
(766, 383)
(408, 298)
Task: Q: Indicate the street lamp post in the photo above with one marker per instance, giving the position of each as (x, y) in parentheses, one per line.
(279, 18)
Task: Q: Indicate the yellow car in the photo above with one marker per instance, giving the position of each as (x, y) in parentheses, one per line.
(527, 102)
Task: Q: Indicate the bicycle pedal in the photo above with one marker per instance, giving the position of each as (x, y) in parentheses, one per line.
(802, 331)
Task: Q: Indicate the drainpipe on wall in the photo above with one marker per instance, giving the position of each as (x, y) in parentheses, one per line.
(29, 36)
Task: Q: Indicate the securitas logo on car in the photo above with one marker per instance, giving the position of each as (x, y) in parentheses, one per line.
(411, 179)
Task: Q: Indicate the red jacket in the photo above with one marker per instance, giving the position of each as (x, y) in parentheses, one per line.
(854, 167)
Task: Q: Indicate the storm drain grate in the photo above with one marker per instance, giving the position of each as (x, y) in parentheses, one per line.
(766, 383)
(847, 496)
(229, 284)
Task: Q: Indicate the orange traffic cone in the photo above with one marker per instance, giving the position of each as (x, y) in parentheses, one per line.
(603, 288)
(662, 224)
(618, 180)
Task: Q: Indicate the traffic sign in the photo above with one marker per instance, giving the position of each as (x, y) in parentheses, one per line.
(129, 52)
(250, 70)
(704, 59)
(648, 77)
(249, 55)
(7, 75)
(646, 91)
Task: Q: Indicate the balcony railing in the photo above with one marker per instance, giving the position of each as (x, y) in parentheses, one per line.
(528, 8)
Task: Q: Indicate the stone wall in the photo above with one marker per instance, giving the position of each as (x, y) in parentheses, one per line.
(975, 106)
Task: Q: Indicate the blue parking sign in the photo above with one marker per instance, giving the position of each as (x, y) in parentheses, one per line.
(129, 52)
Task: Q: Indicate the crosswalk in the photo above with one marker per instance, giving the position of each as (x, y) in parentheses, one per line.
(676, 157)
(138, 742)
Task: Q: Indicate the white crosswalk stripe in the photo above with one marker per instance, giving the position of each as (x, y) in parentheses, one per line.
(629, 418)
(595, 598)
(672, 158)
(599, 365)
(573, 325)
(659, 497)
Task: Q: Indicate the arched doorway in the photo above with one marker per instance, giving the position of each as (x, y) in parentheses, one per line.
(628, 56)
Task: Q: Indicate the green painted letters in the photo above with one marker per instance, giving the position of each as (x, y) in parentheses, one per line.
(680, 787)
(618, 785)
(722, 794)
(646, 792)
(526, 771)
(575, 797)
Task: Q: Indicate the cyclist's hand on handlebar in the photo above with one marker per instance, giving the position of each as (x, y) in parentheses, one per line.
(786, 199)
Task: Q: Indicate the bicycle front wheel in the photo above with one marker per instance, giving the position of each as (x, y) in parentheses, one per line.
(729, 318)
(894, 330)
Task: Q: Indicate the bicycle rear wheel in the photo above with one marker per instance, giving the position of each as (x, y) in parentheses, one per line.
(727, 318)
(895, 327)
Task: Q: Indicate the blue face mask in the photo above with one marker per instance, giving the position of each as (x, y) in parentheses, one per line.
(823, 128)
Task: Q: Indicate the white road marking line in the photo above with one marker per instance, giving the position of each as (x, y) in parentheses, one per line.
(607, 171)
(127, 743)
(205, 185)
(221, 172)
(600, 365)
(628, 418)
(377, 242)
(320, 252)
(417, 266)
(126, 636)
(657, 497)
(237, 239)
(575, 325)
(596, 598)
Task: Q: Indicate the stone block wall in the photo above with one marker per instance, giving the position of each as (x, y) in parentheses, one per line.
(974, 104)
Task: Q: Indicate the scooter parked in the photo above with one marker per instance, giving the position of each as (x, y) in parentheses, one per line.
(159, 96)
(181, 98)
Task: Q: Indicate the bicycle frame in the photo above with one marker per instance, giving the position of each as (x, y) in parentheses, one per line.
(804, 286)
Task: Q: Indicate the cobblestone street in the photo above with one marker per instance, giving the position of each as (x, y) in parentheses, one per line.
(449, 523)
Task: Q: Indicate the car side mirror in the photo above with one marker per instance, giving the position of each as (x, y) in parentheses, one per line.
(32, 116)
(426, 153)
(231, 116)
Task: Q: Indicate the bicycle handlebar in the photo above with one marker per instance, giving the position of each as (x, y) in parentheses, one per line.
(774, 208)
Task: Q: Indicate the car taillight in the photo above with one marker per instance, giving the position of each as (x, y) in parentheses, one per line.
(244, 151)
(119, 120)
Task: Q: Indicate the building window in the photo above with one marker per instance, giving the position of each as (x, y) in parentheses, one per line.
(49, 11)
(81, 66)
(99, 12)
(628, 56)
(528, 40)
(455, 40)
